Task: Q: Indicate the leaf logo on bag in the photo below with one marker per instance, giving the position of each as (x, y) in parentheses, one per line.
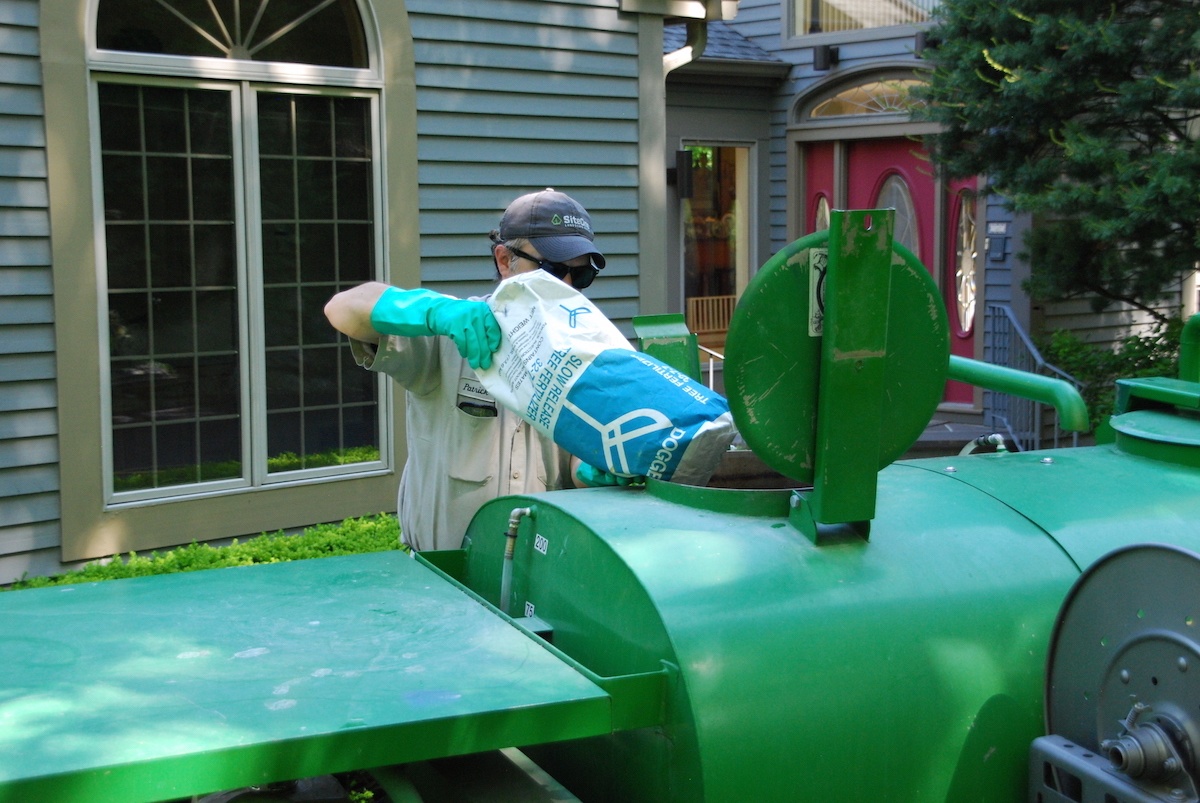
(614, 436)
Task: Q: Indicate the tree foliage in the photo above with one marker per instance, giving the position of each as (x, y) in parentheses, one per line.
(1083, 113)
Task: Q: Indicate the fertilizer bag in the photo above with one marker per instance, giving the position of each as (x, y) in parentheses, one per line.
(568, 371)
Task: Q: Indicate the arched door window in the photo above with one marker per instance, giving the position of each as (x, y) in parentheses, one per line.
(890, 96)
(895, 194)
(240, 191)
(821, 214)
(966, 260)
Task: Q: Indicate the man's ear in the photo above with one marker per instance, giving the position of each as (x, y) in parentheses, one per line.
(503, 259)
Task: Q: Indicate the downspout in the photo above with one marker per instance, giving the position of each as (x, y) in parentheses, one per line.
(693, 47)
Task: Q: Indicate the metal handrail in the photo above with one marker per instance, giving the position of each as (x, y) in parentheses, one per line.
(1011, 347)
(711, 354)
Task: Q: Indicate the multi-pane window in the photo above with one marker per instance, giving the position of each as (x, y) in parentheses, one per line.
(173, 292)
(318, 235)
(233, 209)
(828, 16)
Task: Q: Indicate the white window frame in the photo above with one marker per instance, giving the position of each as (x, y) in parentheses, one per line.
(88, 527)
(244, 80)
(791, 37)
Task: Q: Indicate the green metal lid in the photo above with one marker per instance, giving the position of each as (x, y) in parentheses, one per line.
(774, 354)
(1159, 435)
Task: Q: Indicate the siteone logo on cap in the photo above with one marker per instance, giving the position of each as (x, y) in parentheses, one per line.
(572, 220)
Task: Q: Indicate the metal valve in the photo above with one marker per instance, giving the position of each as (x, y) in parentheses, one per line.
(1144, 750)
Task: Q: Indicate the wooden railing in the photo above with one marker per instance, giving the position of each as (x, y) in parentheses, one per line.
(708, 318)
(708, 314)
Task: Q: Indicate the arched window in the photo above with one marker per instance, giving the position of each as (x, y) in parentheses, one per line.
(241, 189)
(325, 32)
(821, 213)
(895, 194)
(874, 97)
(966, 260)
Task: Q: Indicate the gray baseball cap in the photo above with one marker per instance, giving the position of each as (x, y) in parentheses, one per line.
(554, 223)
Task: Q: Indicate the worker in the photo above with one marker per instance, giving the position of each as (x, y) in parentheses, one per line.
(463, 448)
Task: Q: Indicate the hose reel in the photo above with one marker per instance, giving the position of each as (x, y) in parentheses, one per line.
(1123, 684)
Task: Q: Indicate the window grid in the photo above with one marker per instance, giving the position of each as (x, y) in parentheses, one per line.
(832, 16)
(321, 407)
(175, 383)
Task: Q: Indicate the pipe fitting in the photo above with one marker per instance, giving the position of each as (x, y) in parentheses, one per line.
(1143, 752)
(510, 547)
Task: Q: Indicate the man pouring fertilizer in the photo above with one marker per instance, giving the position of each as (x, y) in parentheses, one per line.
(463, 448)
(494, 383)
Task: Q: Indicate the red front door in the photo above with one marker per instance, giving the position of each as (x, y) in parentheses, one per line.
(897, 173)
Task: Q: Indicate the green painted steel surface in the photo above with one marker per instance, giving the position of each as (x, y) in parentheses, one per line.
(773, 359)
(1090, 500)
(161, 687)
(666, 337)
(904, 668)
(1189, 350)
(1072, 411)
(852, 390)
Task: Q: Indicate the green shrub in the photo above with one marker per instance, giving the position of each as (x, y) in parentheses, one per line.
(350, 537)
(1099, 368)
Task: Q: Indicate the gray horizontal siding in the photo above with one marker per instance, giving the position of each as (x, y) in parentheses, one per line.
(1105, 328)
(18, 41)
(20, 280)
(22, 162)
(29, 449)
(24, 452)
(24, 538)
(28, 424)
(23, 339)
(20, 13)
(514, 96)
(26, 132)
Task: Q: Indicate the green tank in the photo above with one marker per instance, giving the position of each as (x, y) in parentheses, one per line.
(905, 666)
(868, 635)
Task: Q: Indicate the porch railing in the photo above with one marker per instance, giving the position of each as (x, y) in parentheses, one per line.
(1024, 420)
(709, 314)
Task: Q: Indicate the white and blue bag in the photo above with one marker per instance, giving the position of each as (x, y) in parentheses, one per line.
(568, 371)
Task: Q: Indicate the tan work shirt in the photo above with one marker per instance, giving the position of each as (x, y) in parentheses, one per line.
(463, 448)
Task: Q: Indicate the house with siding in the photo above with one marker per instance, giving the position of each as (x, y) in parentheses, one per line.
(180, 195)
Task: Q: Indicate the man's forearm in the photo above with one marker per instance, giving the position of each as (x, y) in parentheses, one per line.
(350, 311)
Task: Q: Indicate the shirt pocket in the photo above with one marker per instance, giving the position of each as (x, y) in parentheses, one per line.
(474, 458)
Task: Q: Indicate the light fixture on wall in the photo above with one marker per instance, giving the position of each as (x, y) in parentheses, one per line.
(825, 57)
(681, 174)
(920, 42)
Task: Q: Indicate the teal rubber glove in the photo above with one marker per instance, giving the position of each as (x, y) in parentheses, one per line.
(594, 477)
(416, 313)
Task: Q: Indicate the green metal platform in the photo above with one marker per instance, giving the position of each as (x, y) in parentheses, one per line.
(163, 687)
